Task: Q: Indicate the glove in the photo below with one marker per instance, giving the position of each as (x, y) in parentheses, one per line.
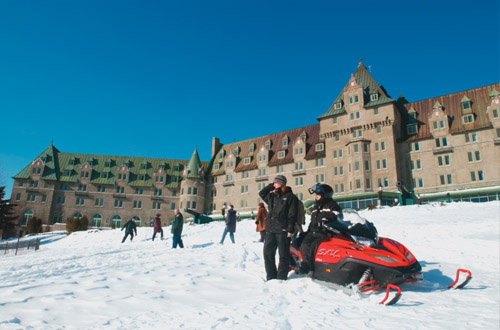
(256, 222)
(289, 235)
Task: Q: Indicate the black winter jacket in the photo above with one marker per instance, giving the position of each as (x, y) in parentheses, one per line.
(324, 212)
(282, 205)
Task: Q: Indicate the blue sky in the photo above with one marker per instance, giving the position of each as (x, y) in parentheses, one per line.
(159, 78)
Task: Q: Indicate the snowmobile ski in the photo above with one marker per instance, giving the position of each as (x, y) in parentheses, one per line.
(464, 283)
(396, 297)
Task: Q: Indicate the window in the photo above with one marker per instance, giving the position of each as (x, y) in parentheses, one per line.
(281, 154)
(280, 169)
(471, 137)
(116, 220)
(355, 148)
(193, 204)
(172, 206)
(357, 133)
(118, 203)
(96, 220)
(79, 201)
(284, 143)
(251, 149)
(468, 119)
(319, 147)
(246, 161)
(357, 166)
(367, 165)
(244, 189)
(30, 197)
(99, 202)
(320, 178)
(101, 189)
(368, 183)
(495, 113)
(466, 105)
(355, 115)
(411, 129)
(474, 156)
(444, 160)
(61, 200)
(299, 166)
(18, 196)
(299, 181)
(299, 151)
(358, 184)
(337, 106)
(336, 137)
(159, 192)
(476, 176)
(27, 215)
(373, 97)
(319, 162)
(375, 111)
(443, 142)
(157, 205)
(137, 204)
(261, 172)
(366, 147)
(104, 175)
(382, 146)
(335, 121)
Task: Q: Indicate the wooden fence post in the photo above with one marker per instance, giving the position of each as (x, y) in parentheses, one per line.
(17, 247)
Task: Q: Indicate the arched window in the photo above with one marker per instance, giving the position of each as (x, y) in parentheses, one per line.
(96, 220)
(137, 220)
(116, 220)
(77, 215)
(27, 215)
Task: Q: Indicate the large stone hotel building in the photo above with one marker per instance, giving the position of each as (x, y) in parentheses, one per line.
(443, 148)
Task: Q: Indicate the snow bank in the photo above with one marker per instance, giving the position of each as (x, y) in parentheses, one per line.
(91, 280)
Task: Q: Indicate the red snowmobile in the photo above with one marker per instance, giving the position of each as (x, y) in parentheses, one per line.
(354, 256)
(355, 259)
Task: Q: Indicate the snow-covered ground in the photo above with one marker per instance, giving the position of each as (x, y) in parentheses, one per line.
(89, 280)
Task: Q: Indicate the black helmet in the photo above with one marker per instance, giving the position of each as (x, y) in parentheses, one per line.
(321, 189)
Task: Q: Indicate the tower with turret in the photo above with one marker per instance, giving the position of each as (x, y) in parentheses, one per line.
(193, 185)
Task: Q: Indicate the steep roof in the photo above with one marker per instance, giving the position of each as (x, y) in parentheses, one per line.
(275, 140)
(194, 166)
(65, 167)
(364, 79)
(452, 105)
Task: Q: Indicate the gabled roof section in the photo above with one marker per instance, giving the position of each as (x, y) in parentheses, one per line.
(364, 79)
(452, 105)
(51, 165)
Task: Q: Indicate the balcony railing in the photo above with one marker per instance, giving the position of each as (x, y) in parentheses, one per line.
(442, 150)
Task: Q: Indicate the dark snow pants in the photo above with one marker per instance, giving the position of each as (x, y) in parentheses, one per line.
(280, 242)
(125, 237)
(154, 234)
(308, 249)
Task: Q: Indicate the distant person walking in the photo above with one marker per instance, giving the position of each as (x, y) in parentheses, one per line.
(177, 230)
(261, 221)
(130, 227)
(157, 226)
(230, 224)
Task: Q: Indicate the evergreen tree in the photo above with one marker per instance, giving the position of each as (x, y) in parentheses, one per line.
(7, 218)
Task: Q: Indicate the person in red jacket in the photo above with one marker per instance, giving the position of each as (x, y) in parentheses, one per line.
(157, 226)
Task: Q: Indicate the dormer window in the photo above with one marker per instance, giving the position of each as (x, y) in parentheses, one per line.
(438, 124)
(281, 154)
(284, 142)
(216, 166)
(337, 106)
(107, 163)
(466, 106)
(221, 155)
(320, 147)
(411, 129)
(268, 145)
(299, 150)
(374, 97)
(247, 160)
(251, 149)
(468, 119)
(236, 151)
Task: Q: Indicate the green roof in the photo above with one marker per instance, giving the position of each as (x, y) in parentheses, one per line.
(65, 167)
(364, 79)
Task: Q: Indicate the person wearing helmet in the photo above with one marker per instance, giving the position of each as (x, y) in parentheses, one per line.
(324, 213)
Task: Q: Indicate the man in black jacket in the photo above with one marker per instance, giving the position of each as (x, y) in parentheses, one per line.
(280, 225)
(325, 212)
